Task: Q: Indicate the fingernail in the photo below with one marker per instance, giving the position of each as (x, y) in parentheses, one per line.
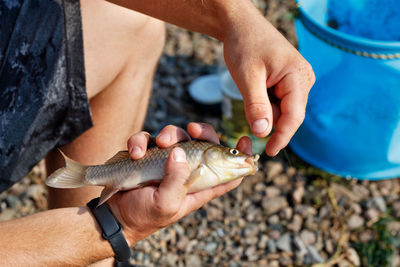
(260, 126)
(178, 155)
(136, 150)
(164, 138)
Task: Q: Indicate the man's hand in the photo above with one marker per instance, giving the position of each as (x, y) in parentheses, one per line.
(256, 54)
(146, 210)
(263, 63)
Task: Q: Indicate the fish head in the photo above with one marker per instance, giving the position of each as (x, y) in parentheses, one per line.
(230, 163)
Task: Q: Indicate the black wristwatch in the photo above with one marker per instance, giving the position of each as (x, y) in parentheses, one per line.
(112, 231)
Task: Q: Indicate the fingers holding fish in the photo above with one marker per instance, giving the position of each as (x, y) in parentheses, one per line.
(203, 131)
(244, 144)
(137, 144)
(171, 135)
(169, 195)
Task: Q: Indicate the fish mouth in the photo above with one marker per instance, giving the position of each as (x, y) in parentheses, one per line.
(253, 162)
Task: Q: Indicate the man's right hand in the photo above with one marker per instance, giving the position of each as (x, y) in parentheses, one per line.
(144, 211)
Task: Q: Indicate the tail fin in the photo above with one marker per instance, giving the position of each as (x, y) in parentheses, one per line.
(71, 176)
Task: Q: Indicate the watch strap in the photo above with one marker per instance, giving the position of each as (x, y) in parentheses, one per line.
(111, 230)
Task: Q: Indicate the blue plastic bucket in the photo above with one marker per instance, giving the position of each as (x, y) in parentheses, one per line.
(352, 124)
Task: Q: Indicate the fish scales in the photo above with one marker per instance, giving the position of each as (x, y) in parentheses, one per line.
(151, 165)
(210, 164)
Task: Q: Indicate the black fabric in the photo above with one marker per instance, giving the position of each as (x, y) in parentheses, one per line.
(112, 231)
(43, 101)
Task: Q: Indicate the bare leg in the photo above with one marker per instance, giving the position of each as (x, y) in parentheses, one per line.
(121, 51)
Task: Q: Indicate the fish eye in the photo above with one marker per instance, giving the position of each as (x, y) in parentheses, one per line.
(234, 151)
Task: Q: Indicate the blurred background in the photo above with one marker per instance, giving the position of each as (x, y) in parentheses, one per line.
(288, 214)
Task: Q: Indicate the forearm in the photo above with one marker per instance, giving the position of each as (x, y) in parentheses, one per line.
(67, 236)
(212, 17)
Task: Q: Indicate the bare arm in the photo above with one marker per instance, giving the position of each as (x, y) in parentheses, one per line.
(211, 17)
(71, 236)
(259, 58)
(67, 236)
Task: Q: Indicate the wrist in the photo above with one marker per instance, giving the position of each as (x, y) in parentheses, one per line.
(131, 236)
(111, 230)
(236, 18)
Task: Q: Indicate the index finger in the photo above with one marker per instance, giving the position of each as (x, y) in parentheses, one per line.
(293, 105)
(203, 131)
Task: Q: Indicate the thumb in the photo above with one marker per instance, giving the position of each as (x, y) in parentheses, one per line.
(253, 86)
(172, 189)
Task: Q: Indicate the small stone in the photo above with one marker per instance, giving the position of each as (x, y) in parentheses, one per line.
(250, 230)
(396, 209)
(291, 171)
(169, 259)
(272, 191)
(283, 243)
(7, 214)
(274, 263)
(356, 208)
(281, 180)
(298, 194)
(355, 221)
(394, 227)
(296, 223)
(13, 202)
(211, 247)
(271, 246)
(353, 257)
(378, 203)
(272, 205)
(372, 214)
(329, 247)
(214, 214)
(341, 191)
(275, 234)
(286, 213)
(285, 260)
(344, 263)
(324, 211)
(301, 249)
(259, 187)
(366, 235)
(183, 242)
(305, 210)
(360, 191)
(308, 237)
(273, 169)
(263, 241)
(155, 254)
(274, 219)
(312, 256)
(251, 253)
(39, 194)
(262, 263)
(251, 240)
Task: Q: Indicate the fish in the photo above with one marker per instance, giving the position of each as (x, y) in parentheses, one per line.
(210, 165)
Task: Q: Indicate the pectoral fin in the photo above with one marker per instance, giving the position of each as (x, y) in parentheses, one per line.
(196, 174)
(107, 193)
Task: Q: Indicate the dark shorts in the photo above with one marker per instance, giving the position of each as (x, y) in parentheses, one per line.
(43, 101)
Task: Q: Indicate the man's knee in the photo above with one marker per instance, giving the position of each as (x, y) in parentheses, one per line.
(152, 39)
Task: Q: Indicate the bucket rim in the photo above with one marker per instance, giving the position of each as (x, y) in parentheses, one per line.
(352, 42)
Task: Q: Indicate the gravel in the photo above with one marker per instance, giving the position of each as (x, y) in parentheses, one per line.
(286, 214)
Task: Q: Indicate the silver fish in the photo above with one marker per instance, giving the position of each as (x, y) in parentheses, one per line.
(210, 165)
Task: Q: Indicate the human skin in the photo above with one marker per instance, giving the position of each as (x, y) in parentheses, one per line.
(259, 58)
(71, 236)
(261, 61)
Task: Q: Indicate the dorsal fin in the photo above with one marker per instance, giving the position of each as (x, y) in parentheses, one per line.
(118, 157)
